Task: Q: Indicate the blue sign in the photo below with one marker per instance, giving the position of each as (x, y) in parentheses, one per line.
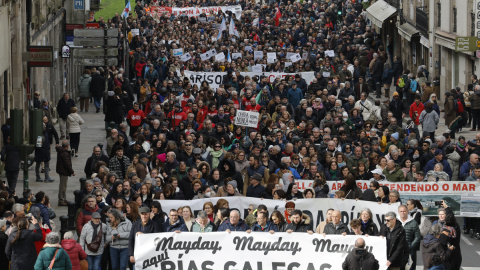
(78, 4)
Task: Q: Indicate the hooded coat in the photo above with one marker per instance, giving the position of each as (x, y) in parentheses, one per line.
(231, 172)
(62, 260)
(23, 253)
(431, 246)
(84, 85)
(429, 120)
(75, 252)
(454, 161)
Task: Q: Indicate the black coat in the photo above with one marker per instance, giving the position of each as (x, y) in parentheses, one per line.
(370, 228)
(89, 166)
(11, 156)
(330, 229)
(63, 107)
(352, 262)
(302, 227)
(115, 109)
(23, 253)
(3, 256)
(42, 154)
(397, 246)
(232, 172)
(97, 85)
(150, 227)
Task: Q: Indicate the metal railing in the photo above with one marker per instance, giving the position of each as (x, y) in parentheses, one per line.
(421, 21)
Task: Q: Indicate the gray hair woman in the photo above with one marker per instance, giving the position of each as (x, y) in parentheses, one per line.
(118, 232)
(74, 250)
(50, 250)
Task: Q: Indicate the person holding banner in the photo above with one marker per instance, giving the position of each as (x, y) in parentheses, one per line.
(142, 226)
(234, 223)
(397, 246)
(299, 224)
(336, 226)
(263, 225)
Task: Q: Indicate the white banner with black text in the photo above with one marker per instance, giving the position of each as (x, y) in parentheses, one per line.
(256, 250)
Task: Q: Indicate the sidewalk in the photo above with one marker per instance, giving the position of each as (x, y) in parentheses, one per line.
(93, 132)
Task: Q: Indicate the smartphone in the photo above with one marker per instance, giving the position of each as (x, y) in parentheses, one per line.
(438, 202)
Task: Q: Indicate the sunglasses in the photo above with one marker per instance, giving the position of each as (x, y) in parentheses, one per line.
(388, 220)
(217, 146)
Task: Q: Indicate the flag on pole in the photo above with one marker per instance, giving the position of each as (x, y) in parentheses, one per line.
(223, 27)
(278, 15)
(127, 9)
(232, 30)
(229, 59)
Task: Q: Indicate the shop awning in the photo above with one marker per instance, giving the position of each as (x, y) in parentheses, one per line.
(424, 41)
(379, 12)
(407, 30)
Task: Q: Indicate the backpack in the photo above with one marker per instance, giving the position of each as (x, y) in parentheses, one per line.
(413, 86)
(455, 105)
(401, 82)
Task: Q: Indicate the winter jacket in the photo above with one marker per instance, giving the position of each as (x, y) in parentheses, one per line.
(454, 160)
(431, 246)
(74, 121)
(23, 253)
(432, 176)
(429, 120)
(352, 262)
(397, 246)
(179, 225)
(150, 227)
(412, 233)
(64, 106)
(114, 109)
(270, 226)
(11, 156)
(304, 226)
(114, 166)
(85, 216)
(330, 228)
(64, 161)
(232, 171)
(369, 228)
(44, 213)
(241, 226)
(3, 257)
(446, 166)
(62, 260)
(450, 112)
(295, 96)
(75, 252)
(84, 86)
(415, 111)
(123, 230)
(396, 176)
(42, 153)
(86, 238)
(90, 164)
(196, 227)
(97, 85)
(465, 170)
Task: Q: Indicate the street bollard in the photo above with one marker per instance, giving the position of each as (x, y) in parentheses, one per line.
(82, 182)
(78, 199)
(71, 215)
(63, 226)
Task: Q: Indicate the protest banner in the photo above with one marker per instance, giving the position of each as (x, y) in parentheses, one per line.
(135, 32)
(316, 209)
(462, 197)
(220, 57)
(185, 57)
(214, 79)
(157, 11)
(178, 52)
(246, 118)
(257, 55)
(241, 250)
(296, 57)
(236, 55)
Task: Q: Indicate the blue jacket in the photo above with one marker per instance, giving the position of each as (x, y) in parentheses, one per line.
(178, 226)
(294, 96)
(296, 175)
(255, 192)
(465, 170)
(446, 166)
(269, 227)
(240, 227)
(44, 214)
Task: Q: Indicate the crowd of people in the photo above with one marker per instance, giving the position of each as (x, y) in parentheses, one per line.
(173, 139)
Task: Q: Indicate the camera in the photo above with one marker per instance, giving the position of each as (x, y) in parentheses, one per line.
(438, 203)
(360, 252)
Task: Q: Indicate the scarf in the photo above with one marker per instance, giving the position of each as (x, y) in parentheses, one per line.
(460, 147)
(333, 174)
(94, 161)
(95, 230)
(216, 155)
(319, 107)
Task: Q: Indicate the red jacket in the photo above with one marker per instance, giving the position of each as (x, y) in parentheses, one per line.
(135, 117)
(179, 117)
(418, 109)
(75, 252)
(85, 216)
(39, 244)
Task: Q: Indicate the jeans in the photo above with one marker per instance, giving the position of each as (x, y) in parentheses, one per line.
(46, 170)
(94, 262)
(119, 258)
(476, 118)
(97, 101)
(84, 104)
(74, 140)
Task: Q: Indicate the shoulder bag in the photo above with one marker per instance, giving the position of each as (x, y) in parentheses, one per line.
(52, 262)
(95, 244)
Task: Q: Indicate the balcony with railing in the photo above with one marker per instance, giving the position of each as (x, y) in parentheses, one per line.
(421, 21)
(394, 3)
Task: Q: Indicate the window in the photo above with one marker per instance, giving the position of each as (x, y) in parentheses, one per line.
(454, 20)
(439, 14)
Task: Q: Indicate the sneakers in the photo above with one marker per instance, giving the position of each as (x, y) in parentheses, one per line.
(49, 180)
(39, 180)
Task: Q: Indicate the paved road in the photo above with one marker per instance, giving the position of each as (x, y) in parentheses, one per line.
(93, 132)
